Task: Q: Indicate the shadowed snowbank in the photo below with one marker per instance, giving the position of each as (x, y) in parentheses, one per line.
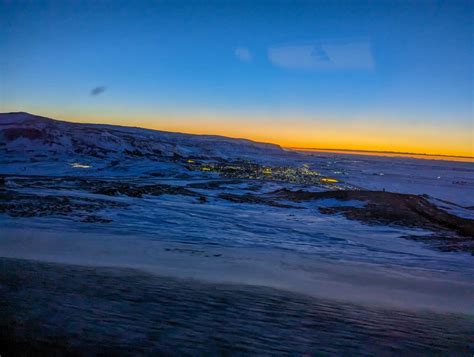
(55, 308)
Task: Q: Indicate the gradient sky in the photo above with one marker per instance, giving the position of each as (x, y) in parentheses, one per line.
(378, 75)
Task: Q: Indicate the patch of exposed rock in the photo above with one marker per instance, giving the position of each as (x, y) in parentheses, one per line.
(389, 208)
(256, 199)
(17, 204)
(127, 189)
(450, 232)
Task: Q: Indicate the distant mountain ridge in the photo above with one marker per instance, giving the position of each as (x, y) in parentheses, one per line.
(27, 134)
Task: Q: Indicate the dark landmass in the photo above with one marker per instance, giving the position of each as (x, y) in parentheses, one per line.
(450, 232)
(387, 208)
(55, 309)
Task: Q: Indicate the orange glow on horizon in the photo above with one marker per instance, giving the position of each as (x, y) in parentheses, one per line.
(364, 135)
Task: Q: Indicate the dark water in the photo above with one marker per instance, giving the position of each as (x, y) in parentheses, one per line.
(56, 309)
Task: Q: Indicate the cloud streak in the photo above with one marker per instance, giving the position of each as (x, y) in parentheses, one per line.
(327, 55)
(243, 54)
(98, 90)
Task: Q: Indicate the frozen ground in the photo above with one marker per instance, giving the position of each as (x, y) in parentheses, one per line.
(447, 180)
(221, 211)
(59, 309)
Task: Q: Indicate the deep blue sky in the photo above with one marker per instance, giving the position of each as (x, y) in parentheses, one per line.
(377, 75)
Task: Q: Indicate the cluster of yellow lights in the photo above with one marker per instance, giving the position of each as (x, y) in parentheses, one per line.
(329, 180)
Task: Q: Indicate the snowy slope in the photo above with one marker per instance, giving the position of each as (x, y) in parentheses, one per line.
(30, 135)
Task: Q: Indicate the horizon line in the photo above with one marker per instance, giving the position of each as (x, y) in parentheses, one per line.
(377, 152)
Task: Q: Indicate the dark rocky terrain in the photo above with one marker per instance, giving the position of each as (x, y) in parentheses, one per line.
(449, 232)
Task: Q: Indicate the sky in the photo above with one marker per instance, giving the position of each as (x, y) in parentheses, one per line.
(376, 75)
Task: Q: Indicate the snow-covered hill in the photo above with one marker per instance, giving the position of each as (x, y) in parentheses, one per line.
(27, 135)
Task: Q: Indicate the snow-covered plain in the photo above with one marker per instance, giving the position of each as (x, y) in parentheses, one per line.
(236, 215)
(75, 201)
(219, 211)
